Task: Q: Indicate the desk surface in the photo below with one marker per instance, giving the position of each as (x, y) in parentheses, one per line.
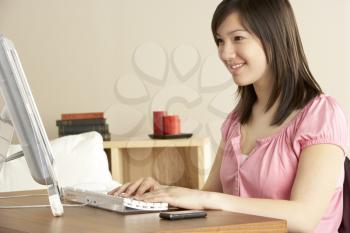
(87, 219)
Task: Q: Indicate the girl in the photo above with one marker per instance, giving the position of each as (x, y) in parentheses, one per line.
(283, 146)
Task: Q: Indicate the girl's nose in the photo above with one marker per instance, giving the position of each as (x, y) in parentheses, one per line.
(227, 52)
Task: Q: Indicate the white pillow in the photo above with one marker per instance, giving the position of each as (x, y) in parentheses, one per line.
(80, 161)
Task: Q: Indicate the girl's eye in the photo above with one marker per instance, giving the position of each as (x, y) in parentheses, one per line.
(219, 41)
(238, 38)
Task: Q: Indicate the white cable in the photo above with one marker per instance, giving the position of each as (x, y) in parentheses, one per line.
(37, 206)
(26, 195)
(31, 206)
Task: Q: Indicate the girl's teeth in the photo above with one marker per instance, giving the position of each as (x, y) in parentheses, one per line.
(236, 66)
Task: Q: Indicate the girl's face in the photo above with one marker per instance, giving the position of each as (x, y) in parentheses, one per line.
(241, 52)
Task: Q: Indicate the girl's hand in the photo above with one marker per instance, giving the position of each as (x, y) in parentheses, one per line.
(177, 196)
(137, 188)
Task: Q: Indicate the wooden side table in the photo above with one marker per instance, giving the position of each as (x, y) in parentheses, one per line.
(177, 162)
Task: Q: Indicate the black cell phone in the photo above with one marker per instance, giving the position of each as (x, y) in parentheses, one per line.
(175, 215)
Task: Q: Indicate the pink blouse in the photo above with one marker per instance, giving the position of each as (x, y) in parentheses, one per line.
(270, 169)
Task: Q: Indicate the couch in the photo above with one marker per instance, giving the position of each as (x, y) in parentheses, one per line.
(80, 161)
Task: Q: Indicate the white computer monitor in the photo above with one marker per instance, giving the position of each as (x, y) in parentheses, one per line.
(27, 123)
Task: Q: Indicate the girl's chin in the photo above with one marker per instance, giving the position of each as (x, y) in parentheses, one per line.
(240, 82)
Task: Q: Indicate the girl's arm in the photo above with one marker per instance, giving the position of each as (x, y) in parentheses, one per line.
(318, 173)
(213, 182)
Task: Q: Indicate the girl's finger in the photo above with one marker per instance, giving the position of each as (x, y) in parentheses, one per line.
(120, 189)
(133, 187)
(146, 186)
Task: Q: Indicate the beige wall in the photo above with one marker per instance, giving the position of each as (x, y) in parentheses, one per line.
(96, 55)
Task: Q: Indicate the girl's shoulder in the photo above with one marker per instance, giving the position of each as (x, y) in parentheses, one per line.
(230, 124)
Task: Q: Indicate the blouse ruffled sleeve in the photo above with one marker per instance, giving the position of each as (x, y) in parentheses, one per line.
(323, 122)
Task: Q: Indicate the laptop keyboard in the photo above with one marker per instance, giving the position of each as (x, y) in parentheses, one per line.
(110, 202)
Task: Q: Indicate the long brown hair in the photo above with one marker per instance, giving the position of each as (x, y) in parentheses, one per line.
(273, 22)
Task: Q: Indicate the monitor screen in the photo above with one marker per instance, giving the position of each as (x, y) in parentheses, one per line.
(26, 120)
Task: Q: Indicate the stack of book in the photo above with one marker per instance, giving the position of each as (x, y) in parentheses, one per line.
(76, 123)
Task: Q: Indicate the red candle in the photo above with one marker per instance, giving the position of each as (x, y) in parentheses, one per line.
(158, 122)
(171, 125)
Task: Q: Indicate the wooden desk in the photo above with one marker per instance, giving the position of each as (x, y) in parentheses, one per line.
(177, 162)
(91, 220)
